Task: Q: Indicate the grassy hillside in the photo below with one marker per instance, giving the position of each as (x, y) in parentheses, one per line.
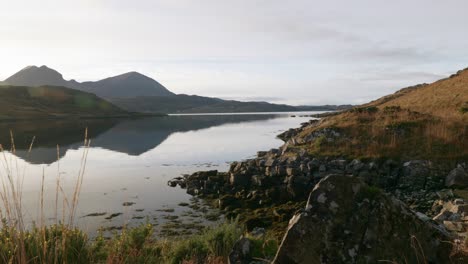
(20, 102)
(425, 121)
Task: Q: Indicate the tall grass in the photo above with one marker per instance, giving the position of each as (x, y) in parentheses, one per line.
(40, 243)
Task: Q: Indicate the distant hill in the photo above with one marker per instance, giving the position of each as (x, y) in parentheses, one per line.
(130, 84)
(22, 102)
(427, 121)
(136, 92)
(198, 104)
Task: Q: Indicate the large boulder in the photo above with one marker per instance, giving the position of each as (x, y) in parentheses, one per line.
(458, 177)
(347, 221)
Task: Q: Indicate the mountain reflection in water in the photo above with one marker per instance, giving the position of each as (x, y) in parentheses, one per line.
(131, 136)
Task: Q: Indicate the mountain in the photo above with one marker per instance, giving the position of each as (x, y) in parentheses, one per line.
(427, 121)
(136, 92)
(23, 102)
(130, 84)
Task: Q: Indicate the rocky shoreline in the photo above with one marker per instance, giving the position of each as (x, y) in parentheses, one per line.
(272, 188)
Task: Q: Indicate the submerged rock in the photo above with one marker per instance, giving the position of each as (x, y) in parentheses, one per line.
(347, 221)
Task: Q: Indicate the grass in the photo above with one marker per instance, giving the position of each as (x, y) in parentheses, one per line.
(422, 122)
(392, 132)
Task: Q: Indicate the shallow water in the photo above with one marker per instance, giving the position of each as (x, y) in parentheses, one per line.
(132, 160)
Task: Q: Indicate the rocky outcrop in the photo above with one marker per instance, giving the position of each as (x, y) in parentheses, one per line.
(347, 221)
(275, 177)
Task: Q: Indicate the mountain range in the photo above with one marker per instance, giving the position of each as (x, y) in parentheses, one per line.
(136, 92)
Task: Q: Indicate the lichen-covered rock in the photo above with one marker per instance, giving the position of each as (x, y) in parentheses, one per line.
(347, 221)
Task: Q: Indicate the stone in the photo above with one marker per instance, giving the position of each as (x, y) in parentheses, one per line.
(258, 180)
(445, 194)
(258, 232)
(240, 253)
(415, 174)
(297, 185)
(347, 221)
(270, 162)
(322, 168)
(453, 226)
(291, 171)
(457, 178)
(240, 179)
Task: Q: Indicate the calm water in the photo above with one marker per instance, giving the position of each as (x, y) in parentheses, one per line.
(132, 160)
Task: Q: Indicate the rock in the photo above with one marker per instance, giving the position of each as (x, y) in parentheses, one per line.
(258, 232)
(291, 171)
(240, 179)
(457, 178)
(240, 253)
(258, 180)
(453, 226)
(298, 186)
(445, 194)
(270, 162)
(322, 168)
(415, 174)
(346, 221)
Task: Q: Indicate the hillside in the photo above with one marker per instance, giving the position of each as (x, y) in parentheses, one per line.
(428, 121)
(194, 104)
(22, 102)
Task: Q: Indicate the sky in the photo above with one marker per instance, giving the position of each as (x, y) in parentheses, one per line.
(296, 52)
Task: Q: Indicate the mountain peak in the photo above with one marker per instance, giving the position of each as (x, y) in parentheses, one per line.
(132, 74)
(36, 76)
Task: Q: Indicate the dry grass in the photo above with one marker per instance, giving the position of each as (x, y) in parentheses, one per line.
(13, 217)
(418, 122)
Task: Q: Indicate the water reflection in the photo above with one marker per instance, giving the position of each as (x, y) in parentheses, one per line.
(131, 136)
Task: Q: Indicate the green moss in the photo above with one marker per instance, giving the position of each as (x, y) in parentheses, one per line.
(369, 110)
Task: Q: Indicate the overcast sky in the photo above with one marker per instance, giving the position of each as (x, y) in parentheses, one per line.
(296, 51)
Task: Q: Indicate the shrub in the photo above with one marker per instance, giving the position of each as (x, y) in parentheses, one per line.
(464, 108)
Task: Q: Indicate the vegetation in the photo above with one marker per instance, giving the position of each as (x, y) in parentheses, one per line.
(464, 108)
(422, 122)
(21, 102)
